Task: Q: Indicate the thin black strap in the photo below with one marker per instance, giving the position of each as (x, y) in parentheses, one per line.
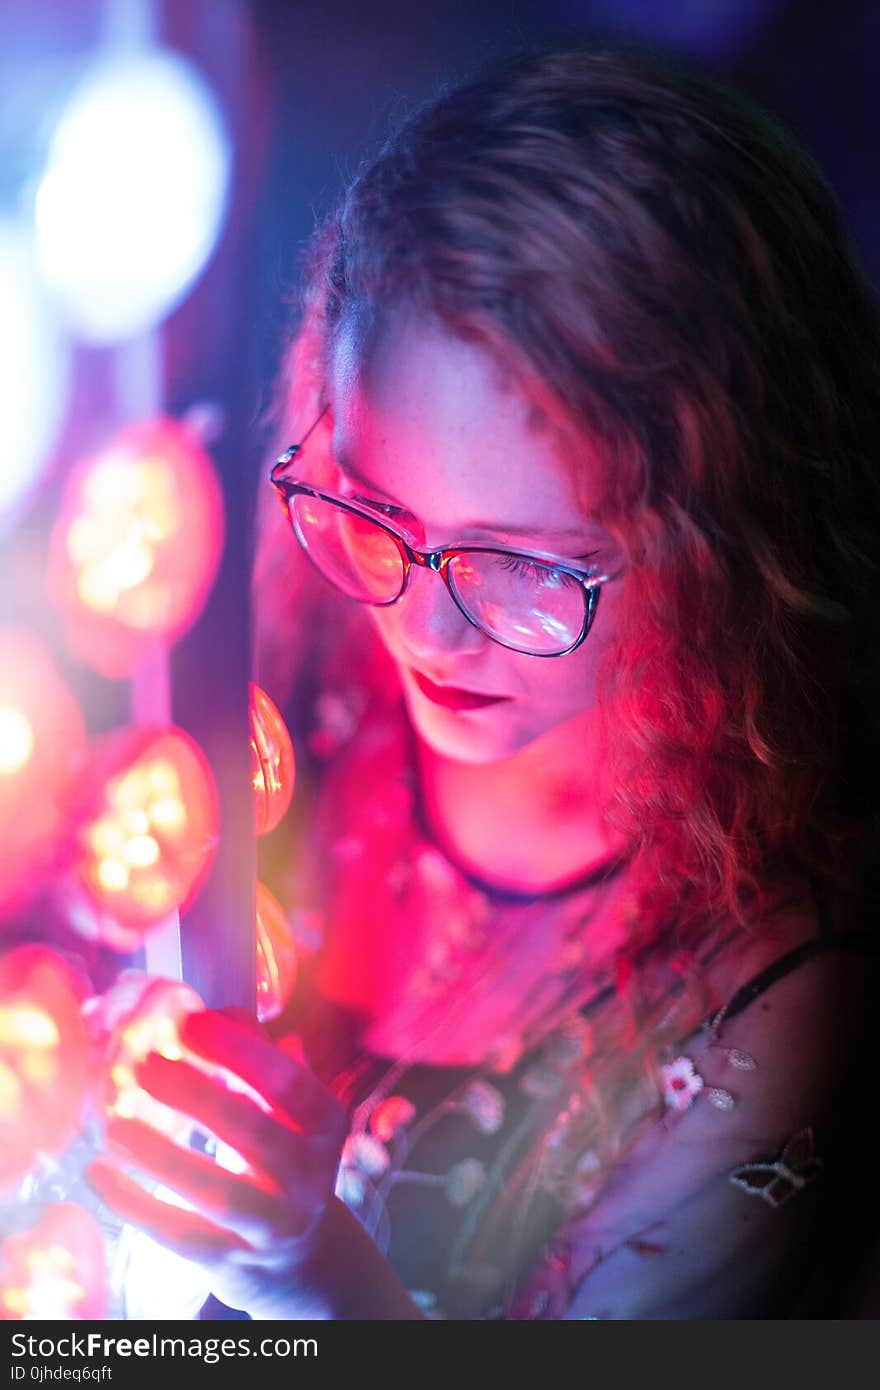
(826, 941)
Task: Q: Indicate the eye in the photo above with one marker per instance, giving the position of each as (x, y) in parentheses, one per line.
(543, 576)
(523, 567)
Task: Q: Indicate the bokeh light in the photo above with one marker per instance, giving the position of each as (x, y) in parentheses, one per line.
(44, 1057)
(56, 1269)
(131, 203)
(149, 834)
(144, 1014)
(136, 544)
(155, 1282)
(273, 768)
(141, 1014)
(276, 956)
(42, 747)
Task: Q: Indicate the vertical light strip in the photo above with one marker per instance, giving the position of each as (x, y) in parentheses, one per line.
(139, 396)
(138, 383)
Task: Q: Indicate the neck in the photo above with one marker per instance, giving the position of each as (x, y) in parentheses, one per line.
(529, 823)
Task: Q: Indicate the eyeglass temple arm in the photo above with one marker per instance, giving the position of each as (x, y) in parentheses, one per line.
(290, 454)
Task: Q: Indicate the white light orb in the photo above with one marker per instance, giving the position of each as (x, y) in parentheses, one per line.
(131, 204)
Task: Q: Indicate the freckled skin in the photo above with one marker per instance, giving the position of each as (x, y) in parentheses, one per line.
(433, 423)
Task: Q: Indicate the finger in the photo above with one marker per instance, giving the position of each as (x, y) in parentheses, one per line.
(245, 1204)
(184, 1232)
(266, 1143)
(284, 1082)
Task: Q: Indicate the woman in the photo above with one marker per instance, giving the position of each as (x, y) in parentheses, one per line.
(585, 812)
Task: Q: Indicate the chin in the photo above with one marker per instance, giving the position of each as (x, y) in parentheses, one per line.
(479, 737)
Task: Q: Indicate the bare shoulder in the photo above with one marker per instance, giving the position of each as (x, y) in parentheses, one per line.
(690, 1190)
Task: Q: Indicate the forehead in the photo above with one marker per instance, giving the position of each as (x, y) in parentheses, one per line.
(440, 427)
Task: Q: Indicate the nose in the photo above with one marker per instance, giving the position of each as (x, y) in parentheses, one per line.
(429, 622)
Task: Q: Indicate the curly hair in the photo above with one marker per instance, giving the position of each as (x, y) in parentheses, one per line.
(664, 268)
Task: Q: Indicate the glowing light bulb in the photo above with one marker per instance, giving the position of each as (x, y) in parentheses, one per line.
(276, 956)
(138, 1015)
(273, 767)
(152, 1011)
(56, 1269)
(45, 1068)
(136, 545)
(147, 836)
(42, 747)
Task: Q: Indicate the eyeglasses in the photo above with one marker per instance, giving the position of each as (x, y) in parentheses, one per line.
(526, 602)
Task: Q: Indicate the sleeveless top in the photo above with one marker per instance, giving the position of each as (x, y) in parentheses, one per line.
(435, 1144)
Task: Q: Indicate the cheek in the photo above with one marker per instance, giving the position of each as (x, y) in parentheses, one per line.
(384, 622)
(568, 684)
(378, 617)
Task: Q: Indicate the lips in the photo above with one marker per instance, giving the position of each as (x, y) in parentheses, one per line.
(452, 697)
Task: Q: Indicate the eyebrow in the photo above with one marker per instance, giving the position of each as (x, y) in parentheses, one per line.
(571, 533)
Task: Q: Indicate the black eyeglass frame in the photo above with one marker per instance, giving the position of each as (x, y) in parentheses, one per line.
(436, 560)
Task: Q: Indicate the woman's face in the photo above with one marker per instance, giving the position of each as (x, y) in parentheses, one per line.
(424, 421)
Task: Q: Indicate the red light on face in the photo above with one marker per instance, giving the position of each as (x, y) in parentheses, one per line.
(42, 744)
(56, 1269)
(273, 767)
(276, 956)
(44, 1057)
(136, 545)
(150, 833)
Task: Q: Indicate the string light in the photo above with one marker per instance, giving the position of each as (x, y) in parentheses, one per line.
(136, 545)
(149, 836)
(276, 956)
(273, 766)
(42, 749)
(45, 1068)
(56, 1269)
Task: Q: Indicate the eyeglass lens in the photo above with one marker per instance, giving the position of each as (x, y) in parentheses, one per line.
(529, 606)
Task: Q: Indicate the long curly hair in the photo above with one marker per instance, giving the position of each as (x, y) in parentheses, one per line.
(665, 270)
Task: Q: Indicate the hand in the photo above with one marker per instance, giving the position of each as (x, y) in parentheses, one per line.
(259, 1232)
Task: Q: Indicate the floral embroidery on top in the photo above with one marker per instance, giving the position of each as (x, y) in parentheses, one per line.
(485, 1104)
(777, 1180)
(368, 1154)
(682, 1083)
(390, 1116)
